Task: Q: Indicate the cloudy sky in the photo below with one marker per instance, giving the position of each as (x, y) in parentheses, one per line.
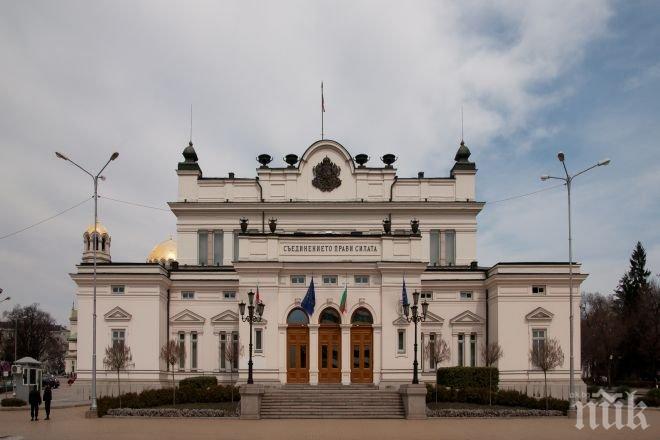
(89, 78)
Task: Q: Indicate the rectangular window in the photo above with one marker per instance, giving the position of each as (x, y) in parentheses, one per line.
(217, 247)
(229, 295)
(236, 245)
(361, 279)
(461, 343)
(538, 340)
(258, 340)
(473, 350)
(203, 247)
(450, 247)
(426, 295)
(193, 351)
(118, 337)
(234, 349)
(538, 290)
(433, 361)
(223, 351)
(401, 341)
(118, 290)
(330, 279)
(298, 279)
(434, 247)
(466, 296)
(187, 294)
(182, 350)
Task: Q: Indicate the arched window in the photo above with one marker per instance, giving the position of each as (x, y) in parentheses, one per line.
(330, 316)
(362, 316)
(297, 317)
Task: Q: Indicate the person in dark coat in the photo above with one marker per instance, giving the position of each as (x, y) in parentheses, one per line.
(48, 396)
(34, 399)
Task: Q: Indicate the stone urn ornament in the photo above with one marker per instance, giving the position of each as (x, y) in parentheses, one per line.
(244, 224)
(272, 224)
(387, 226)
(414, 226)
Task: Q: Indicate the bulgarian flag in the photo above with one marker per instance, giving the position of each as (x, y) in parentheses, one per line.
(342, 299)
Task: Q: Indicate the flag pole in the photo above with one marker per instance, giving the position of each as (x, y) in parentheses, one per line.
(322, 109)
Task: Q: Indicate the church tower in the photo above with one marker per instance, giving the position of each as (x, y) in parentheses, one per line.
(99, 238)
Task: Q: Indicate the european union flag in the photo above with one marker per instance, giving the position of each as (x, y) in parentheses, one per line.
(404, 294)
(309, 301)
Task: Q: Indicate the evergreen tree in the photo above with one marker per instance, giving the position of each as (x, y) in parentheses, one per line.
(634, 283)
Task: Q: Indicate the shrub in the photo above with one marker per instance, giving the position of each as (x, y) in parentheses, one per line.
(652, 398)
(468, 377)
(163, 396)
(501, 397)
(624, 390)
(199, 382)
(12, 401)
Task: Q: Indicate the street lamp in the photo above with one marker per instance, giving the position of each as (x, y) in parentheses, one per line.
(251, 318)
(95, 179)
(568, 179)
(415, 318)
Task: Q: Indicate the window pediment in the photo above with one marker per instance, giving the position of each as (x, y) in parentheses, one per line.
(117, 314)
(187, 317)
(226, 317)
(467, 317)
(539, 314)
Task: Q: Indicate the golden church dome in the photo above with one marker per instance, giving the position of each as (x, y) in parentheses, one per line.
(99, 227)
(164, 252)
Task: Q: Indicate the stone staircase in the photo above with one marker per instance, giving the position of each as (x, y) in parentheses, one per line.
(331, 402)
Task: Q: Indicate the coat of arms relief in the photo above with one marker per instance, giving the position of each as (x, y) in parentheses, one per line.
(326, 175)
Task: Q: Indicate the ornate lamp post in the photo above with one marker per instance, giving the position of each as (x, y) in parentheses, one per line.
(415, 318)
(251, 318)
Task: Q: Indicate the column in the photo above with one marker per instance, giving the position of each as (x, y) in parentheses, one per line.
(377, 348)
(346, 354)
(281, 353)
(313, 354)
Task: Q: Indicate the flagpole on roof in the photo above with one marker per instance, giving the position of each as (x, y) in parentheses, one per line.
(322, 109)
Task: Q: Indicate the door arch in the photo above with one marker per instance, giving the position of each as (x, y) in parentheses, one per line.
(297, 346)
(329, 346)
(362, 337)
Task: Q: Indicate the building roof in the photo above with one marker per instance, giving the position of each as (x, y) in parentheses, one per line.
(163, 252)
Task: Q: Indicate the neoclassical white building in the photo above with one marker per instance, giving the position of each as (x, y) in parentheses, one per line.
(344, 223)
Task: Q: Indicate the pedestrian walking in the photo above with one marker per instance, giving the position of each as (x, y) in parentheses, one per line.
(48, 396)
(34, 399)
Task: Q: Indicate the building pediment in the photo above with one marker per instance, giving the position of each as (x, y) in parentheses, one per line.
(433, 319)
(226, 317)
(117, 314)
(187, 317)
(467, 317)
(539, 314)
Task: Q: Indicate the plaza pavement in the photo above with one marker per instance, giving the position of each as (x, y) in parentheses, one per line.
(70, 423)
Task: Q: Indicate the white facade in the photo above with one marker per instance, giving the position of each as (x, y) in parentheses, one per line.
(334, 235)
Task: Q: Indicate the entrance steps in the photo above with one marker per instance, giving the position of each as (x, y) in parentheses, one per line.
(330, 401)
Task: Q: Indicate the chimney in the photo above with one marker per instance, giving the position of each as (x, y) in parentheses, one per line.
(231, 175)
(420, 174)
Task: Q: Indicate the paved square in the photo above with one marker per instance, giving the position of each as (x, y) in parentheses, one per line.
(69, 423)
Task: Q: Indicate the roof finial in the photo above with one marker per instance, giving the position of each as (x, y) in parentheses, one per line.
(462, 123)
(191, 124)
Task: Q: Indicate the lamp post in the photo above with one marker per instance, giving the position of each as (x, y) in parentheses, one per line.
(568, 180)
(251, 318)
(95, 179)
(415, 318)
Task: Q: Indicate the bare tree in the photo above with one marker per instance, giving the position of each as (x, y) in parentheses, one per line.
(547, 356)
(172, 353)
(490, 354)
(231, 356)
(117, 358)
(35, 332)
(439, 352)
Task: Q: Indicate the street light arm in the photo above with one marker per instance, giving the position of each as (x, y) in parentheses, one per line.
(585, 170)
(553, 177)
(113, 157)
(84, 170)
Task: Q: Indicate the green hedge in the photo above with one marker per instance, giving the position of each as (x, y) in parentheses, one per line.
(501, 397)
(12, 401)
(468, 377)
(652, 398)
(163, 397)
(199, 382)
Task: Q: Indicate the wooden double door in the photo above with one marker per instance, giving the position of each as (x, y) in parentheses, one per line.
(297, 354)
(329, 354)
(362, 368)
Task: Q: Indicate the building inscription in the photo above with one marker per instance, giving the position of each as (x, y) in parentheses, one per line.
(330, 249)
